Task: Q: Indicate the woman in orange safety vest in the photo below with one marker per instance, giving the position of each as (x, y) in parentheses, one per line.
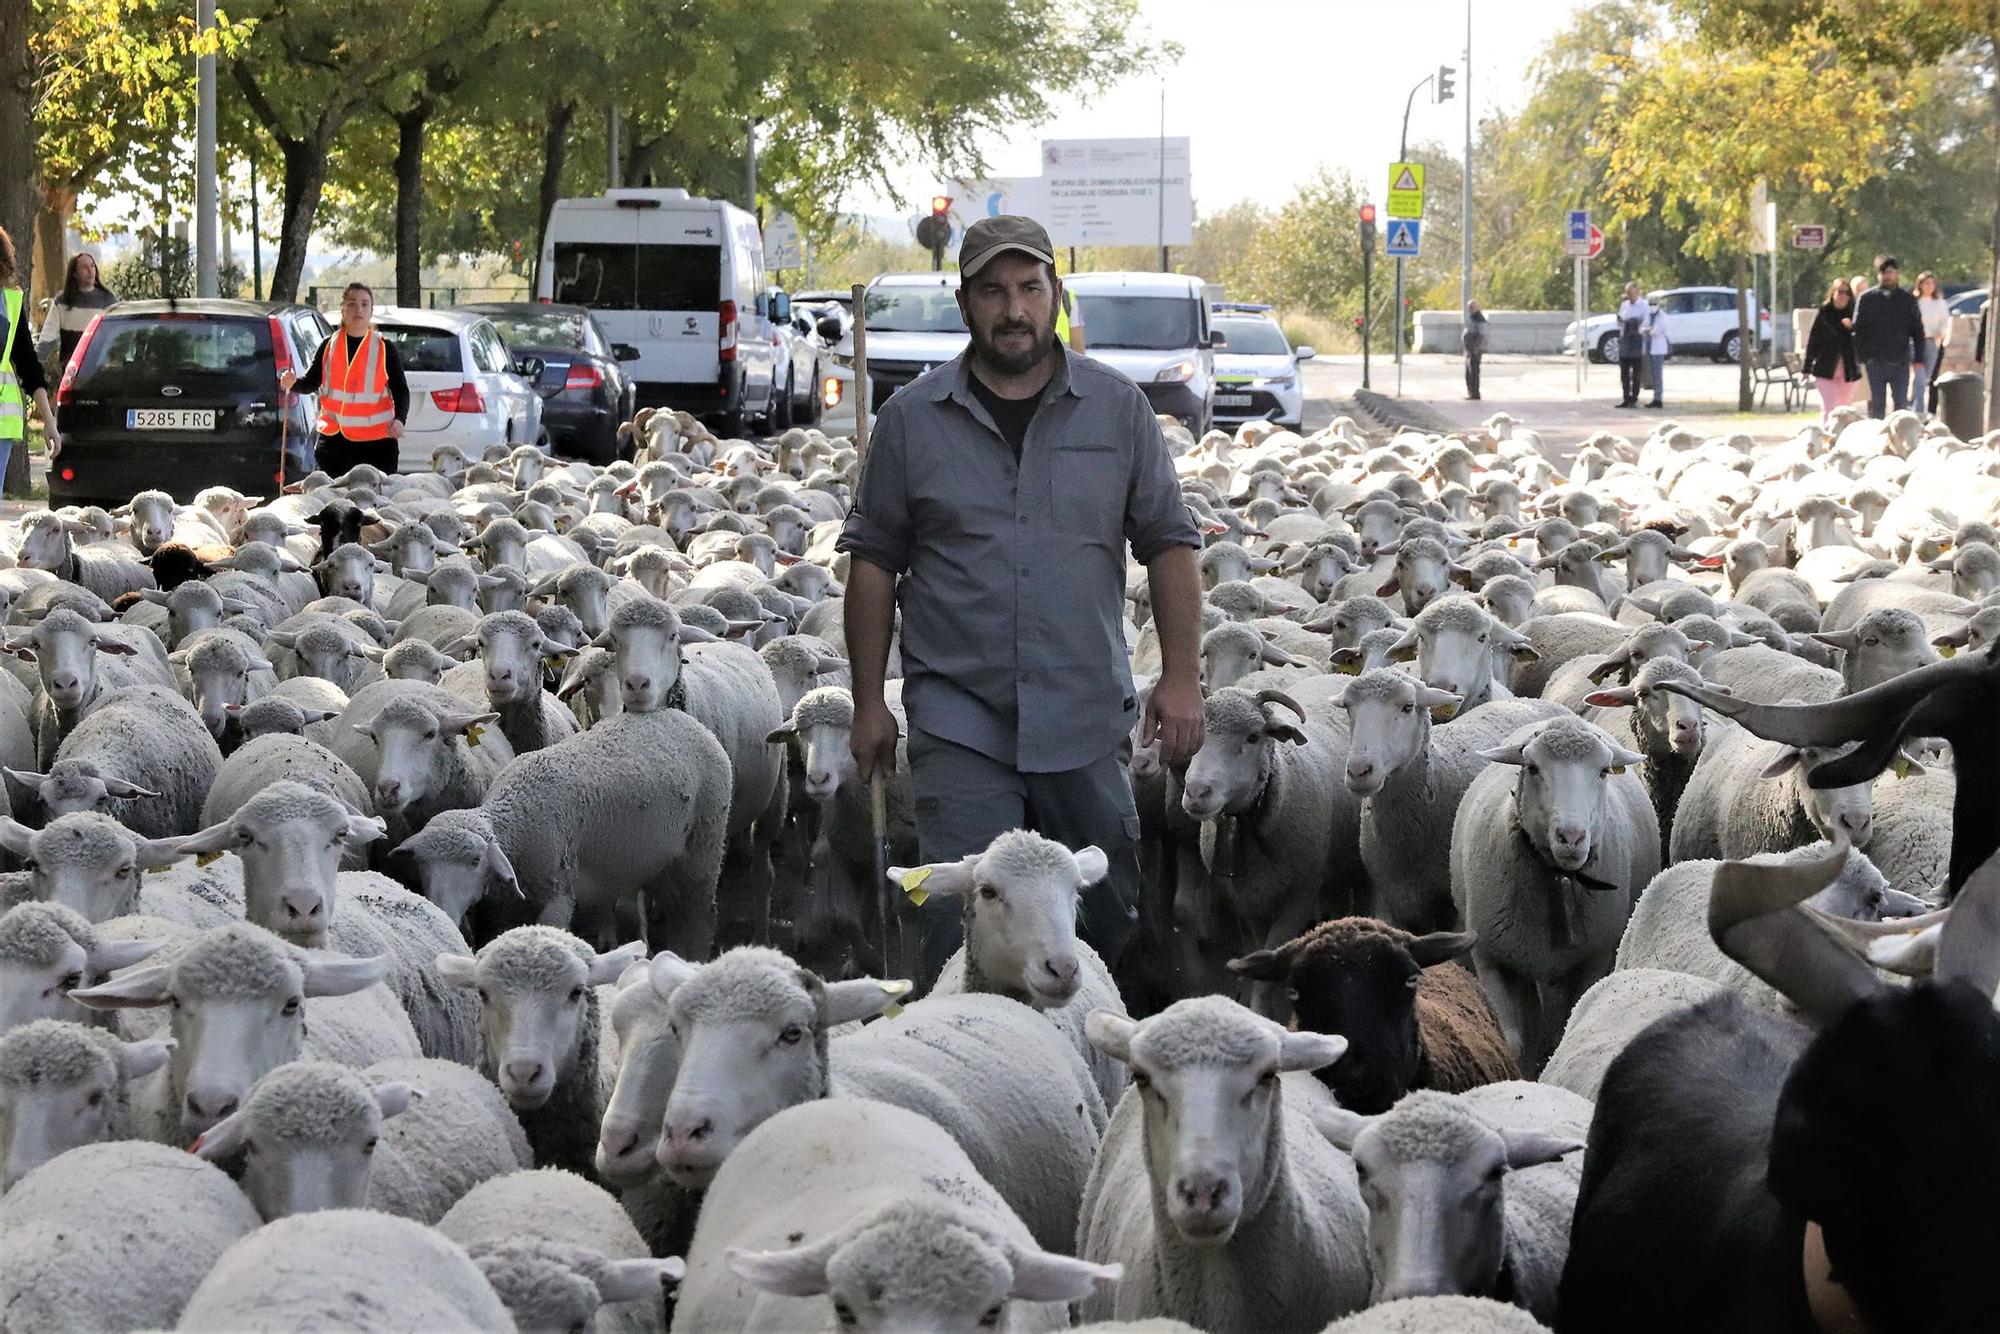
(363, 397)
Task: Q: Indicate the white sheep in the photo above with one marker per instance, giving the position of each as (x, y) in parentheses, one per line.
(108, 569)
(879, 1209)
(1411, 776)
(1747, 795)
(1612, 1013)
(1462, 649)
(114, 1236)
(419, 749)
(79, 664)
(540, 1034)
(408, 1137)
(1469, 1194)
(223, 667)
(1545, 874)
(93, 865)
(345, 1269)
(515, 1226)
(152, 738)
(47, 949)
(63, 1085)
(1439, 1315)
(281, 757)
(240, 999)
(1223, 1204)
(507, 678)
(753, 1028)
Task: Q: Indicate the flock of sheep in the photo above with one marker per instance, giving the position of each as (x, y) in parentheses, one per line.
(446, 902)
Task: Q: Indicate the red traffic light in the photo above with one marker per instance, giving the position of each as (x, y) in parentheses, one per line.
(1368, 214)
(940, 205)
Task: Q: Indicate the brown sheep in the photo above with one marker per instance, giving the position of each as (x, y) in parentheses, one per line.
(174, 563)
(1412, 1017)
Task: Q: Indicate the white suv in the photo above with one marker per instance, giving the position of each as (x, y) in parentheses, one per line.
(1699, 319)
(465, 388)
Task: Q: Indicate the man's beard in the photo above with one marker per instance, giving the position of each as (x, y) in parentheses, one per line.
(1013, 363)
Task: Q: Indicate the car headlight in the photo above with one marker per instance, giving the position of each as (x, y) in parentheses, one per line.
(1178, 373)
(1275, 382)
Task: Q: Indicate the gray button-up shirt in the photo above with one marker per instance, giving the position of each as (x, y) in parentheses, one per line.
(1013, 575)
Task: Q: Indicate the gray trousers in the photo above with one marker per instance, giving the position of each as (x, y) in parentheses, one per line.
(965, 799)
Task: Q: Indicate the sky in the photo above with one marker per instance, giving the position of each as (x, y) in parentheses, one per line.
(1268, 91)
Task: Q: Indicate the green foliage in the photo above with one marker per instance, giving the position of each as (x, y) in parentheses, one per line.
(166, 269)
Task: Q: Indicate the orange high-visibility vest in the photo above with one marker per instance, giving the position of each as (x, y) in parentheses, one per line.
(354, 401)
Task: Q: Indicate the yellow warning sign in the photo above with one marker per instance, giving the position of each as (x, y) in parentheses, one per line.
(1406, 190)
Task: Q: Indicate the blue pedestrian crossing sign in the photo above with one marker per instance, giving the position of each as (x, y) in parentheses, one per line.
(1402, 238)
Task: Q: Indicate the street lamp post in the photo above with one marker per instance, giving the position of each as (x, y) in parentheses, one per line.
(204, 156)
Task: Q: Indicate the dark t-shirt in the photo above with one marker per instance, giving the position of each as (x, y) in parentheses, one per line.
(1011, 415)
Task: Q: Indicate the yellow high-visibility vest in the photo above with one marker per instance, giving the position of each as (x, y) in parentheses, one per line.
(13, 408)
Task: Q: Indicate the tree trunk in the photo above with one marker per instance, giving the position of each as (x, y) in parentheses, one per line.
(51, 239)
(1745, 349)
(555, 153)
(410, 127)
(1993, 287)
(305, 177)
(18, 174)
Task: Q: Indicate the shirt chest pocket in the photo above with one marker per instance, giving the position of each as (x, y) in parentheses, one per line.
(1088, 501)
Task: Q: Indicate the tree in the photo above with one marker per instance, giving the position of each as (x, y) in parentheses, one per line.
(1309, 257)
(1697, 127)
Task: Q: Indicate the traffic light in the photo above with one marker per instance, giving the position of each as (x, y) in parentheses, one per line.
(934, 230)
(1368, 228)
(1445, 75)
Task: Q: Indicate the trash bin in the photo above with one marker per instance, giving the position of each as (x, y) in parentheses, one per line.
(1959, 403)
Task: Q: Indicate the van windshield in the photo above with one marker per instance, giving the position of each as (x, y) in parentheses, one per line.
(914, 310)
(609, 275)
(1154, 323)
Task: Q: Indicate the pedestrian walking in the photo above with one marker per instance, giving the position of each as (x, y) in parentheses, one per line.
(1657, 349)
(1475, 347)
(1000, 493)
(1936, 315)
(1631, 344)
(73, 309)
(1829, 355)
(21, 375)
(1888, 336)
(363, 398)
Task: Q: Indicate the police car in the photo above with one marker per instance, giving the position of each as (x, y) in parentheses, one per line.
(1256, 371)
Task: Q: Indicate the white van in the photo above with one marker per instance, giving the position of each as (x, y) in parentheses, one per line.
(682, 280)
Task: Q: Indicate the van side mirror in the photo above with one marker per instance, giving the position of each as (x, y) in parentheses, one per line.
(1215, 339)
(624, 352)
(1304, 352)
(781, 306)
(529, 367)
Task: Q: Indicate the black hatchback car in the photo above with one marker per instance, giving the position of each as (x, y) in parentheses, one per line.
(176, 396)
(586, 393)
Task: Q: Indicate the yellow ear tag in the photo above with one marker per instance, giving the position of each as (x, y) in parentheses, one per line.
(1444, 713)
(913, 882)
(1947, 650)
(206, 858)
(899, 987)
(1347, 668)
(473, 733)
(1617, 768)
(1902, 766)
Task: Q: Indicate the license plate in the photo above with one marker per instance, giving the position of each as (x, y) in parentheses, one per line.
(1232, 400)
(170, 419)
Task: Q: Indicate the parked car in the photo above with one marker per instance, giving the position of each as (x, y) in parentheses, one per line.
(585, 389)
(799, 331)
(1256, 368)
(1154, 328)
(913, 325)
(180, 395)
(679, 278)
(465, 388)
(1969, 302)
(1699, 320)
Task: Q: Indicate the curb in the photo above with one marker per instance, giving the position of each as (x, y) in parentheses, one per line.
(1396, 414)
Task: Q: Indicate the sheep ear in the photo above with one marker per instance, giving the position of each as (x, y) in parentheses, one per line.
(1261, 965)
(606, 968)
(1340, 1126)
(862, 998)
(1787, 760)
(154, 596)
(777, 736)
(1844, 640)
(1091, 864)
(223, 1140)
(1405, 648)
(632, 1280)
(337, 975)
(794, 1273)
(1624, 697)
(136, 1060)
(1441, 947)
(1532, 1148)
(1622, 758)
(1111, 1033)
(1042, 1277)
(154, 853)
(15, 837)
(283, 638)
(1277, 657)
(694, 634)
(666, 971)
(1430, 697)
(106, 644)
(135, 989)
(118, 787)
(215, 838)
(936, 878)
(112, 955)
(1388, 588)
(461, 970)
(366, 828)
(458, 724)
(1510, 753)
(1285, 732)
(1309, 1051)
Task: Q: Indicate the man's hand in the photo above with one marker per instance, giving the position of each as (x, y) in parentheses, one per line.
(52, 438)
(874, 739)
(395, 430)
(1173, 719)
(286, 379)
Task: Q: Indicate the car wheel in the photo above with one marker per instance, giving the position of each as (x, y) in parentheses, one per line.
(1607, 348)
(1732, 345)
(815, 403)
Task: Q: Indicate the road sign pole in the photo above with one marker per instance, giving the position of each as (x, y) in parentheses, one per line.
(1399, 326)
(1581, 282)
(1367, 304)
